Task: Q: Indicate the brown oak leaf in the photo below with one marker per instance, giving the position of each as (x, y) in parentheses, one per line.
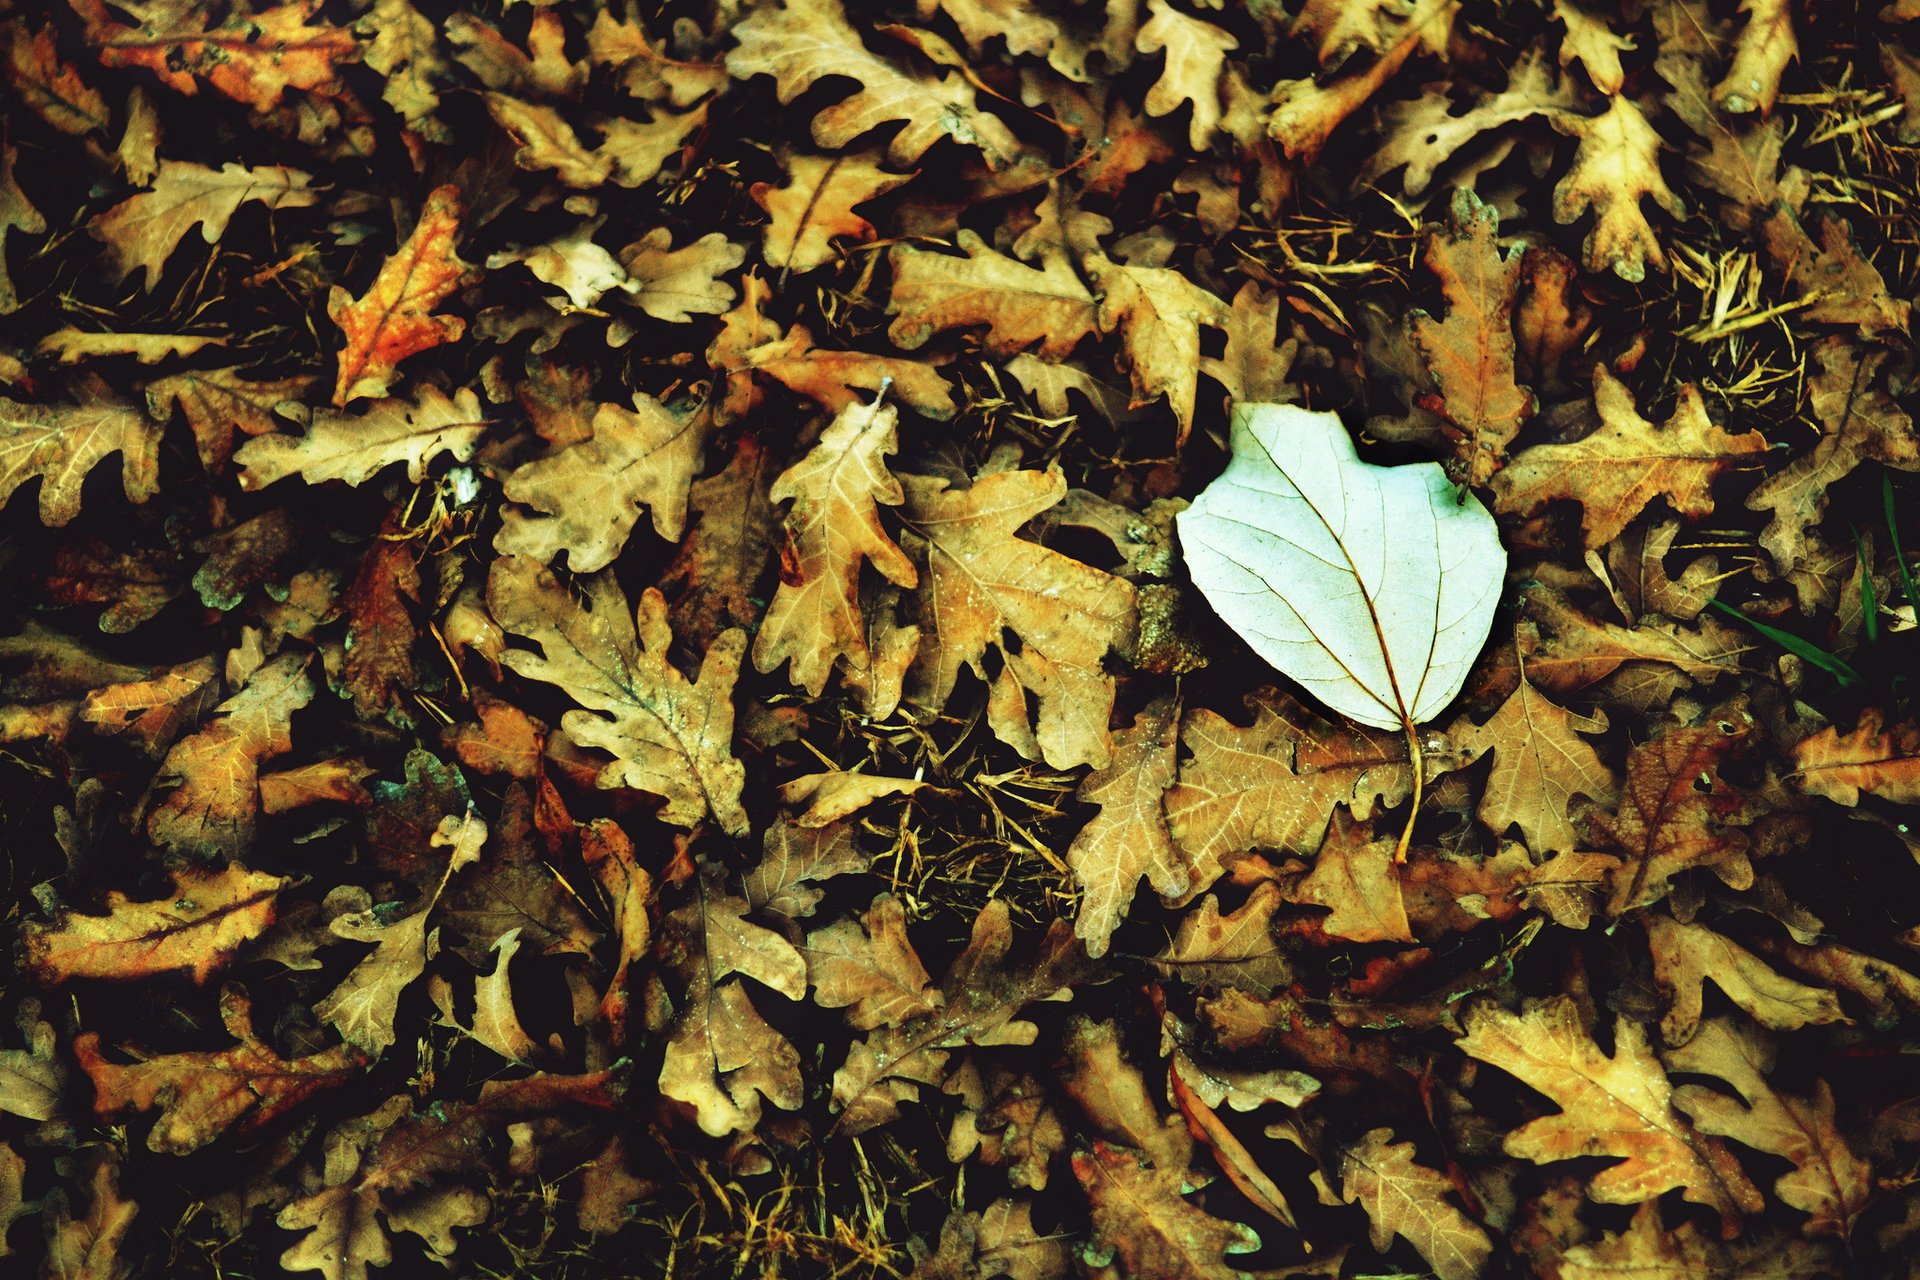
(1874, 759)
(142, 231)
(1616, 166)
(60, 444)
(1540, 763)
(1354, 875)
(868, 967)
(207, 918)
(814, 207)
(1128, 838)
(1047, 308)
(1687, 955)
(1408, 1199)
(713, 581)
(669, 736)
(1141, 1214)
(216, 401)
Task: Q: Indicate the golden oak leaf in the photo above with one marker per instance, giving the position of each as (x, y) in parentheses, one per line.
(802, 42)
(1112, 1091)
(13, 1204)
(1354, 875)
(840, 793)
(1196, 55)
(1686, 955)
(816, 619)
(1256, 364)
(72, 346)
(394, 319)
(751, 344)
(151, 712)
(815, 206)
(1829, 1183)
(1592, 43)
(1274, 784)
(211, 812)
(722, 1057)
(33, 1080)
(61, 444)
(572, 263)
(1540, 763)
(640, 149)
(252, 57)
(1615, 167)
(142, 231)
(981, 997)
(1020, 305)
(1158, 312)
(1233, 951)
(678, 284)
(1859, 422)
(1025, 29)
(1619, 1106)
(50, 86)
(980, 581)
(794, 859)
(16, 214)
(1761, 53)
(403, 47)
(207, 918)
(88, 1248)
(713, 579)
(669, 736)
(645, 72)
(868, 967)
(1627, 462)
(1471, 352)
(1128, 838)
(362, 1007)
(1648, 1250)
(202, 1096)
(588, 495)
(1141, 1215)
(1423, 133)
(216, 401)
(496, 1024)
(1637, 560)
(548, 142)
(1342, 27)
(1676, 811)
(1874, 759)
(1408, 1199)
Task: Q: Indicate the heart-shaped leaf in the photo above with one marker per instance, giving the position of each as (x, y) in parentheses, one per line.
(1373, 587)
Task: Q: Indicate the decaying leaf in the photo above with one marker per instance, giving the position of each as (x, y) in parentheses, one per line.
(207, 918)
(1872, 759)
(395, 318)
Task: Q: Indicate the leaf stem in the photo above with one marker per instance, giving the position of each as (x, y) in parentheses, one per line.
(1419, 788)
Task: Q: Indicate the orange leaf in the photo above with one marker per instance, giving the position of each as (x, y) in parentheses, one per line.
(393, 319)
(209, 916)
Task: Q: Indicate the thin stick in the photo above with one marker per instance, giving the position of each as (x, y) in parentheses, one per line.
(1419, 788)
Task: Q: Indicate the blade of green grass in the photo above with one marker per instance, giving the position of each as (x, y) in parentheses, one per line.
(1893, 528)
(1832, 664)
(1869, 604)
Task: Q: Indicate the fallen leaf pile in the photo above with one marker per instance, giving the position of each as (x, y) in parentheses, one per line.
(617, 666)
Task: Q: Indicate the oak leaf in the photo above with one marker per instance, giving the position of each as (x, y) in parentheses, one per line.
(88, 1248)
(1047, 308)
(722, 1057)
(1423, 133)
(1113, 1093)
(1616, 166)
(1471, 352)
(33, 1080)
(251, 56)
(1196, 54)
(816, 619)
(1687, 955)
(980, 582)
(1237, 950)
(669, 736)
(394, 319)
(713, 578)
(982, 994)
(840, 793)
(362, 1007)
(548, 142)
(1354, 875)
(802, 42)
(202, 1096)
(50, 86)
(572, 263)
(1761, 53)
(1592, 43)
(1158, 312)
(16, 214)
(1408, 1199)
(814, 207)
(354, 447)
(1829, 1182)
(1626, 463)
(1619, 1106)
(216, 401)
(588, 495)
(1128, 838)
(1677, 812)
(61, 444)
(868, 967)
(1873, 759)
(142, 231)
(793, 861)
(207, 918)
(1835, 282)
(1373, 587)
(1254, 365)
(1648, 1250)
(1141, 1214)
(1859, 422)
(1000, 1240)
(677, 284)
(1540, 763)
(1274, 784)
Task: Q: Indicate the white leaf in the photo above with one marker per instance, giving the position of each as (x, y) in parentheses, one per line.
(1373, 587)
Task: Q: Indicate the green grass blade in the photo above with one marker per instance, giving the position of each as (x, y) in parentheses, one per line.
(1832, 664)
(1893, 528)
